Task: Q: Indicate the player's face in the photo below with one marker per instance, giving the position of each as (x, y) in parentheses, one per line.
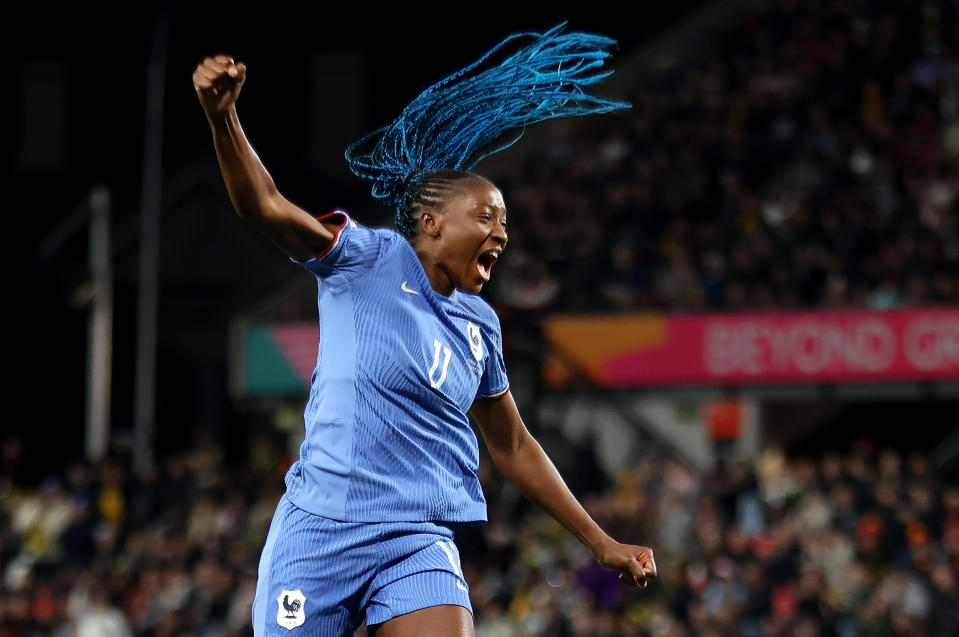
(473, 233)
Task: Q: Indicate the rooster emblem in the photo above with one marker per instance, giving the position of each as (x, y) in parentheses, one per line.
(290, 612)
(291, 607)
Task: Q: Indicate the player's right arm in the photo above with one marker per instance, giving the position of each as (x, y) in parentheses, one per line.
(218, 81)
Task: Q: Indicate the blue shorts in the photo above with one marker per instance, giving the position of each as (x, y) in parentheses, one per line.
(323, 577)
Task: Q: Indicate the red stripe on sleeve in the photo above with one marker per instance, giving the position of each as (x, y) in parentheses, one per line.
(336, 235)
(501, 394)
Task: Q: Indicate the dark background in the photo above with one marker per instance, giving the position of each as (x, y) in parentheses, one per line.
(94, 56)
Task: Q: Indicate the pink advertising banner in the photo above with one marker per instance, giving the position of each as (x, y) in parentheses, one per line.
(919, 344)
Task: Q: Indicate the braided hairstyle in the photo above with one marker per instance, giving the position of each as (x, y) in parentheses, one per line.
(426, 190)
(454, 124)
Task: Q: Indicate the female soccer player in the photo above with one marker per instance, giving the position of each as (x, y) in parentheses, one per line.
(408, 352)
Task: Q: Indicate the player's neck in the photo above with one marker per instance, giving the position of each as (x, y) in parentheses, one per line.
(438, 275)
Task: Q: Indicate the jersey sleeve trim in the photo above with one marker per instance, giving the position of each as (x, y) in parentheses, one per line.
(495, 395)
(336, 235)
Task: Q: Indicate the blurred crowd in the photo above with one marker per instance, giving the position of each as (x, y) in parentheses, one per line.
(807, 156)
(863, 542)
(97, 552)
(860, 542)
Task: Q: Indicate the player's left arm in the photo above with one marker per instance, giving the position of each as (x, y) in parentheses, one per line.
(522, 460)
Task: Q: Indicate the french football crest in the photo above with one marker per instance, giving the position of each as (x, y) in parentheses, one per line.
(291, 611)
(476, 340)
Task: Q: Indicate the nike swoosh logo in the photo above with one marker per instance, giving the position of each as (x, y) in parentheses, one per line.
(406, 289)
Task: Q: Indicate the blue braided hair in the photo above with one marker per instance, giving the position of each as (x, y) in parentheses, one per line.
(449, 128)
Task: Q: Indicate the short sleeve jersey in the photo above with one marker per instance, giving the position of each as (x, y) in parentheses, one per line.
(398, 367)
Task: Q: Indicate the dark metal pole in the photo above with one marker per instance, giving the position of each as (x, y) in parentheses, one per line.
(100, 330)
(145, 390)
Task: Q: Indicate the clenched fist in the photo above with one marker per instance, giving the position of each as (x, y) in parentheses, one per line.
(634, 563)
(218, 81)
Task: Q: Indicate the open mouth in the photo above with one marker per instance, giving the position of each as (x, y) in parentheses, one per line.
(485, 263)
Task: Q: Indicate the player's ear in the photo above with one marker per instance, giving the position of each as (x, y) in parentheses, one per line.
(429, 222)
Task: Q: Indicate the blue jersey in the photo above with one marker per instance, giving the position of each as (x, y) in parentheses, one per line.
(398, 367)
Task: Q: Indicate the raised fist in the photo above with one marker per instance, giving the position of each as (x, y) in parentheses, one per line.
(218, 81)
